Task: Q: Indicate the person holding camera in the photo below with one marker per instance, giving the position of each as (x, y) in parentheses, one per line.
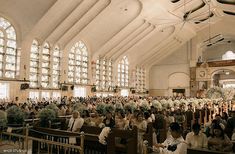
(174, 144)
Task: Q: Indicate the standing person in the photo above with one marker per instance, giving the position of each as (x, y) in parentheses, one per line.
(230, 125)
(75, 122)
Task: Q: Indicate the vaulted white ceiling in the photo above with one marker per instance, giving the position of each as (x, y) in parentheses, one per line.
(146, 31)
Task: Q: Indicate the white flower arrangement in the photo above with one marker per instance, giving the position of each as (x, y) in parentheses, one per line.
(164, 103)
(103, 135)
(156, 104)
(229, 93)
(215, 93)
(145, 105)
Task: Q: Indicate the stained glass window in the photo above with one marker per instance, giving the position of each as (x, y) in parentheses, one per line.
(123, 72)
(140, 79)
(78, 64)
(9, 55)
(104, 78)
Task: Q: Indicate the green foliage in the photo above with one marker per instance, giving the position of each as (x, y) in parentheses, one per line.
(100, 108)
(109, 108)
(3, 118)
(130, 106)
(15, 115)
(79, 107)
(45, 116)
(53, 107)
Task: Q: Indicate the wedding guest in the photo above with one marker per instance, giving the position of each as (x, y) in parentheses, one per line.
(174, 144)
(120, 121)
(230, 125)
(196, 139)
(141, 124)
(75, 122)
(219, 141)
(109, 120)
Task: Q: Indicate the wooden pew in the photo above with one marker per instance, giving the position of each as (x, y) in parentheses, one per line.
(91, 143)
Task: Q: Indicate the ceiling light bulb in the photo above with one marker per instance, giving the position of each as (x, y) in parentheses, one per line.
(227, 73)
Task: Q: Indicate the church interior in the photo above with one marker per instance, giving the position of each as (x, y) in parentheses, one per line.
(117, 76)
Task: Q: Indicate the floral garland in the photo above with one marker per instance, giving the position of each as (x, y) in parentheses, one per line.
(215, 93)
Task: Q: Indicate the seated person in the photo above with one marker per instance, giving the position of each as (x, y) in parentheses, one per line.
(196, 139)
(174, 144)
(219, 141)
(75, 122)
(109, 120)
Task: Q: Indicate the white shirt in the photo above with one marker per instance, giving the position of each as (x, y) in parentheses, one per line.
(77, 123)
(181, 146)
(197, 141)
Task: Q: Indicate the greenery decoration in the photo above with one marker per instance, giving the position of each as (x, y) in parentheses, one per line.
(15, 115)
(46, 115)
(53, 107)
(3, 119)
(100, 108)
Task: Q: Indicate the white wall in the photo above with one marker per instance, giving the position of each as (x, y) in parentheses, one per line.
(171, 74)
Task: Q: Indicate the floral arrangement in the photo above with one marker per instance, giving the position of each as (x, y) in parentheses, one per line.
(215, 93)
(156, 104)
(109, 108)
(164, 103)
(46, 115)
(15, 115)
(118, 106)
(131, 105)
(3, 119)
(145, 105)
(53, 107)
(103, 135)
(100, 108)
(79, 107)
(229, 93)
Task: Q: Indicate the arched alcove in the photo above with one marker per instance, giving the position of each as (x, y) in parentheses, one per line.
(179, 81)
(223, 78)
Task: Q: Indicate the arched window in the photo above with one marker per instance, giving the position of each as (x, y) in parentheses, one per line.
(9, 61)
(140, 79)
(56, 67)
(34, 65)
(228, 55)
(123, 72)
(45, 65)
(78, 64)
(104, 77)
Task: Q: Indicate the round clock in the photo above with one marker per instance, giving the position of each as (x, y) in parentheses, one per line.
(202, 73)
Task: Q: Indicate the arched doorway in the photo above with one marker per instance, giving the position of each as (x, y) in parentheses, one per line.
(223, 78)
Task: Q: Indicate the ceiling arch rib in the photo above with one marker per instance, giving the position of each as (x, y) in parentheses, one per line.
(83, 22)
(72, 19)
(50, 21)
(127, 39)
(134, 42)
(147, 59)
(156, 58)
(118, 37)
(114, 18)
(162, 40)
(163, 55)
